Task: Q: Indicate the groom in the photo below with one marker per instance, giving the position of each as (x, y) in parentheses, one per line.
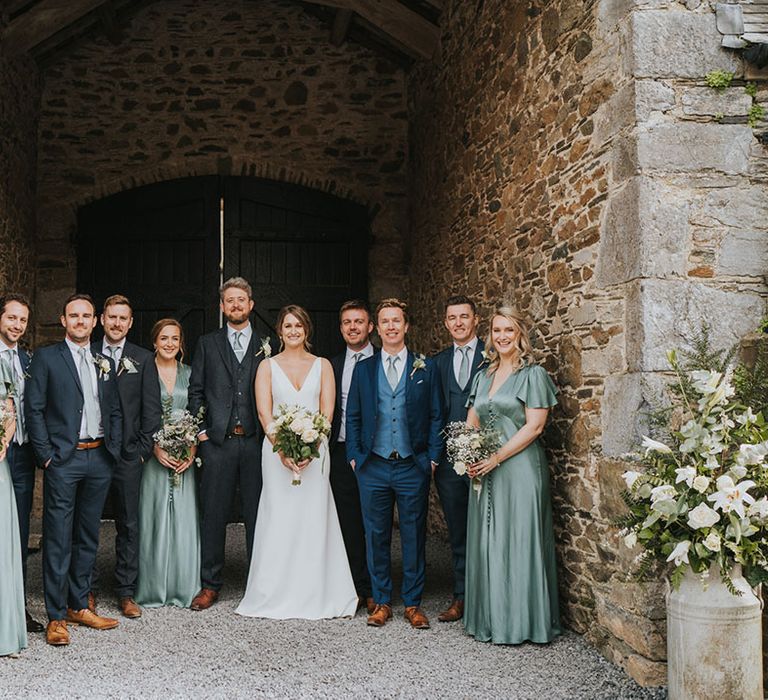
(75, 426)
(222, 382)
(394, 419)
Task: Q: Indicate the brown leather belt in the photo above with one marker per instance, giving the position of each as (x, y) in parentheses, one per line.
(90, 444)
(237, 431)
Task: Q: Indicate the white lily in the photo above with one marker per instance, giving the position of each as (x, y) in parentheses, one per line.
(686, 474)
(630, 477)
(655, 446)
(746, 418)
(680, 553)
(732, 497)
(630, 540)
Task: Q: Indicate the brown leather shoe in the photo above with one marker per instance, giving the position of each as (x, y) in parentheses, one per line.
(380, 615)
(56, 633)
(204, 599)
(92, 602)
(454, 612)
(88, 619)
(129, 608)
(416, 617)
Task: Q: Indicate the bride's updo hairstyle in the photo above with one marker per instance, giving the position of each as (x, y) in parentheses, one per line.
(300, 313)
(523, 343)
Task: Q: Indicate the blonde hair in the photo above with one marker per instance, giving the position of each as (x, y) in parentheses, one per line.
(522, 345)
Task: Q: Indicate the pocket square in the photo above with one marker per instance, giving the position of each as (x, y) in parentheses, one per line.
(421, 381)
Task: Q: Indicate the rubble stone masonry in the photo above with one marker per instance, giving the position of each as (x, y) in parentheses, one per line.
(568, 156)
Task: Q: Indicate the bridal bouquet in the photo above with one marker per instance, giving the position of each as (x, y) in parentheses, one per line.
(297, 432)
(701, 497)
(178, 435)
(465, 445)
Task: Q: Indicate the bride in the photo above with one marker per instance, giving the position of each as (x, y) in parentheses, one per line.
(299, 566)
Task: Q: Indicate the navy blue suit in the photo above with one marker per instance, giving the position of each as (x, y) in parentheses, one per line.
(384, 480)
(452, 488)
(22, 464)
(76, 481)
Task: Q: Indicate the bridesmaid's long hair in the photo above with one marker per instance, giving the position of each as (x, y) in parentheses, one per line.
(162, 323)
(523, 344)
(300, 313)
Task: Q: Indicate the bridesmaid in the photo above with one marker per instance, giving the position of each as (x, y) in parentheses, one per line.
(169, 538)
(13, 625)
(511, 577)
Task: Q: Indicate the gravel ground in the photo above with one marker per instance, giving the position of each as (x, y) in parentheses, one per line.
(173, 653)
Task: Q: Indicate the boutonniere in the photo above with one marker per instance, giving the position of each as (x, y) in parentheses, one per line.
(419, 363)
(486, 359)
(266, 348)
(102, 363)
(128, 364)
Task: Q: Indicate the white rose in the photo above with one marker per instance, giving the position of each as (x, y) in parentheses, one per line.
(738, 471)
(712, 542)
(759, 509)
(701, 483)
(702, 516)
(460, 468)
(666, 492)
(309, 436)
(297, 426)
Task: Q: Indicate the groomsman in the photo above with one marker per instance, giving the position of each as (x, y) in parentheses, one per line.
(457, 365)
(356, 327)
(14, 360)
(222, 382)
(393, 423)
(131, 362)
(75, 426)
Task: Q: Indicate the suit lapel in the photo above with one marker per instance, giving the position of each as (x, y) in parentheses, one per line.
(25, 360)
(223, 345)
(66, 356)
(477, 360)
(99, 378)
(337, 363)
(446, 369)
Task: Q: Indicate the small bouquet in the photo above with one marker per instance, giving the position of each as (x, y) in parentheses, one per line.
(297, 432)
(466, 445)
(178, 435)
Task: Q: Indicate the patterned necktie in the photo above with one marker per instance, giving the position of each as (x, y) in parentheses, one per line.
(392, 372)
(237, 346)
(464, 366)
(89, 400)
(13, 375)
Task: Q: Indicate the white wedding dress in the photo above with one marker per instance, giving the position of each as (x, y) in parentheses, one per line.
(299, 566)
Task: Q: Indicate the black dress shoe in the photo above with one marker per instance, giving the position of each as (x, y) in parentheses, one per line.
(33, 626)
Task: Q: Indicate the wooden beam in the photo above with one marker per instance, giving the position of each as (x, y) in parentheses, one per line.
(41, 22)
(396, 20)
(341, 23)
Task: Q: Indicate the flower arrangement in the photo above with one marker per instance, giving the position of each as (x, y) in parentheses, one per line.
(178, 435)
(103, 365)
(266, 348)
(128, 364)
(702, 499)
(298, 432)
(465, 445)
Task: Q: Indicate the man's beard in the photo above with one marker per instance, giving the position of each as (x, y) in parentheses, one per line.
(237, 316)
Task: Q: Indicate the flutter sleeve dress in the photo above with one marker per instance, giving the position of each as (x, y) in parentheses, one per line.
(511, 575)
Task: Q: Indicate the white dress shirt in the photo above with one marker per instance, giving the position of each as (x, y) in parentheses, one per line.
(105, 350)
(350, 360)
(399, 365)
(94, 388)
(472, 345)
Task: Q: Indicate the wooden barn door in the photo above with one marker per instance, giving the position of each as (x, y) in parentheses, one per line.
(159, 246)
(295, 246)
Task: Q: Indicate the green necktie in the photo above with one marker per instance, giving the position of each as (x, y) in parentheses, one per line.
(392, 372)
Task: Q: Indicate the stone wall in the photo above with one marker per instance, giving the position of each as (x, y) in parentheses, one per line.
(566, 156)
(251, 88)
(19, 107)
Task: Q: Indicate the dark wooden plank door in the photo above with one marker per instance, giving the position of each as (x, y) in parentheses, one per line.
(159, 246)
(295, 246)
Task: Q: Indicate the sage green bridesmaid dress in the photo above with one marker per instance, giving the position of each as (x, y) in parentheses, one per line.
(169, 535)
(511, 574)
(13, 624)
